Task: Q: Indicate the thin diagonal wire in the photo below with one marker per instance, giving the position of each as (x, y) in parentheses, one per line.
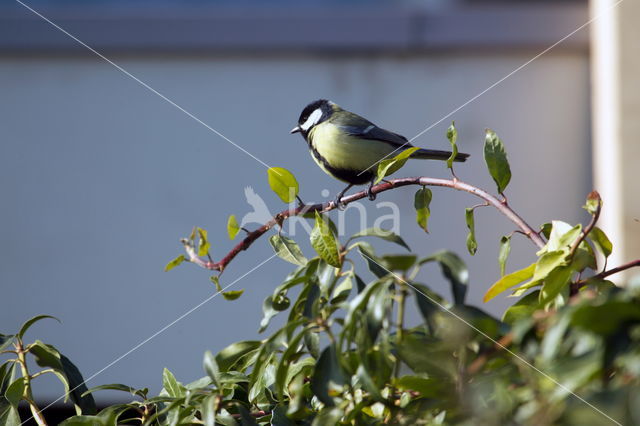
(503, 347)
(142, 83)
(162, 330)
(494, 85)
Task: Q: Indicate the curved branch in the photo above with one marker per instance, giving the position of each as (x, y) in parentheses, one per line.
(501, 206)
(604, 274)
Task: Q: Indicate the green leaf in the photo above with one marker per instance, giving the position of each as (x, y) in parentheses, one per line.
(48, 356)
(366, 305)
(15, 391)
(208, 410)
(230, 355)
(378, 308)
(522, 309)
(171, 385)
(584, 257)
(268, 312)
(365, 379)
(211, 368)
(232, 295)
(232, 227)
(421, 203)
(601, 241)
(373, 263)
(324, 242)
(119, 387)
(281, 302)
(606, 319)
(32, 321)
(381, 233)
(547, 263)
(428, 387)
(328, 416)
(175, 262)
(287, 249)
(426, 301)
(329, 376)
(5, 340)
(503, 253)
(398, 262)
(204, 246)
(263, 372)
(6, 376)
(496, 159)
(245, 417)
(554, 282)
(392, 165)
(279, 417)
(454, 270)
(9, 415)
(287, 361)
(472, 245)
(342, 291)
(452, 135)
(283, 183)
(84, 421)
(508, 281)
(561, 236)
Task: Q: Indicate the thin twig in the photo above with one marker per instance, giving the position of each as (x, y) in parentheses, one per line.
(594, 218)
(611, 271)
(381, 187)
(574, 288)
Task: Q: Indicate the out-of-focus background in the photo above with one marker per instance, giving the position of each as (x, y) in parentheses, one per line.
(105, 164)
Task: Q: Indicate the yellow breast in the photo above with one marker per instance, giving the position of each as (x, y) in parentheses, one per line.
(346, 152)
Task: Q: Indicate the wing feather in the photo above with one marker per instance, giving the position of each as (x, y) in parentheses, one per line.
(362, 128)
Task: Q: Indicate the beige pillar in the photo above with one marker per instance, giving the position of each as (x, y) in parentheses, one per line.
(615, 36)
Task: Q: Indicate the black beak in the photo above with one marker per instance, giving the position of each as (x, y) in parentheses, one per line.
(296, 129)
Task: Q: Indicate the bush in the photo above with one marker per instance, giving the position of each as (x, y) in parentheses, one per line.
(567, 352)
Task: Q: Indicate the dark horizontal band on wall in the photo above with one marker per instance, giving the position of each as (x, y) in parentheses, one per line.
(297, 28)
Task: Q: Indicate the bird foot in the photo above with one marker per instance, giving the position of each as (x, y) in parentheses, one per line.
(369, 193)
(339, 204)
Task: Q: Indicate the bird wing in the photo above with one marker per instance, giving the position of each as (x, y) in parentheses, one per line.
(363, 128)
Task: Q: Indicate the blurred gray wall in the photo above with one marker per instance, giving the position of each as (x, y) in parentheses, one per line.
(99, 178)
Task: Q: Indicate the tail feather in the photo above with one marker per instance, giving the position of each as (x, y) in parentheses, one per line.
(435, 154)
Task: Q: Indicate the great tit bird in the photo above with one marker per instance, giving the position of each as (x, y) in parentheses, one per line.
(348, 147)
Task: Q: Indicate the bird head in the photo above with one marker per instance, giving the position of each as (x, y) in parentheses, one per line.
(313, 114)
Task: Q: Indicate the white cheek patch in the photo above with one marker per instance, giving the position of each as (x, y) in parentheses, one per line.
(312, 120)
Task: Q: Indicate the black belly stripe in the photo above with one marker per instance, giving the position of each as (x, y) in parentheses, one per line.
(351, 176)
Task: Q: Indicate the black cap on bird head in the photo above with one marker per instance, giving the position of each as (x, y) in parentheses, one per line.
(314, 113)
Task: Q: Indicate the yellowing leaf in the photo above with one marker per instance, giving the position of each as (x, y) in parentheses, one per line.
(392, 165)
(509, 281)
(452, 135)
(232, 295)
(204, 245)
(175, 262)
(283, 183)
(232, 227)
